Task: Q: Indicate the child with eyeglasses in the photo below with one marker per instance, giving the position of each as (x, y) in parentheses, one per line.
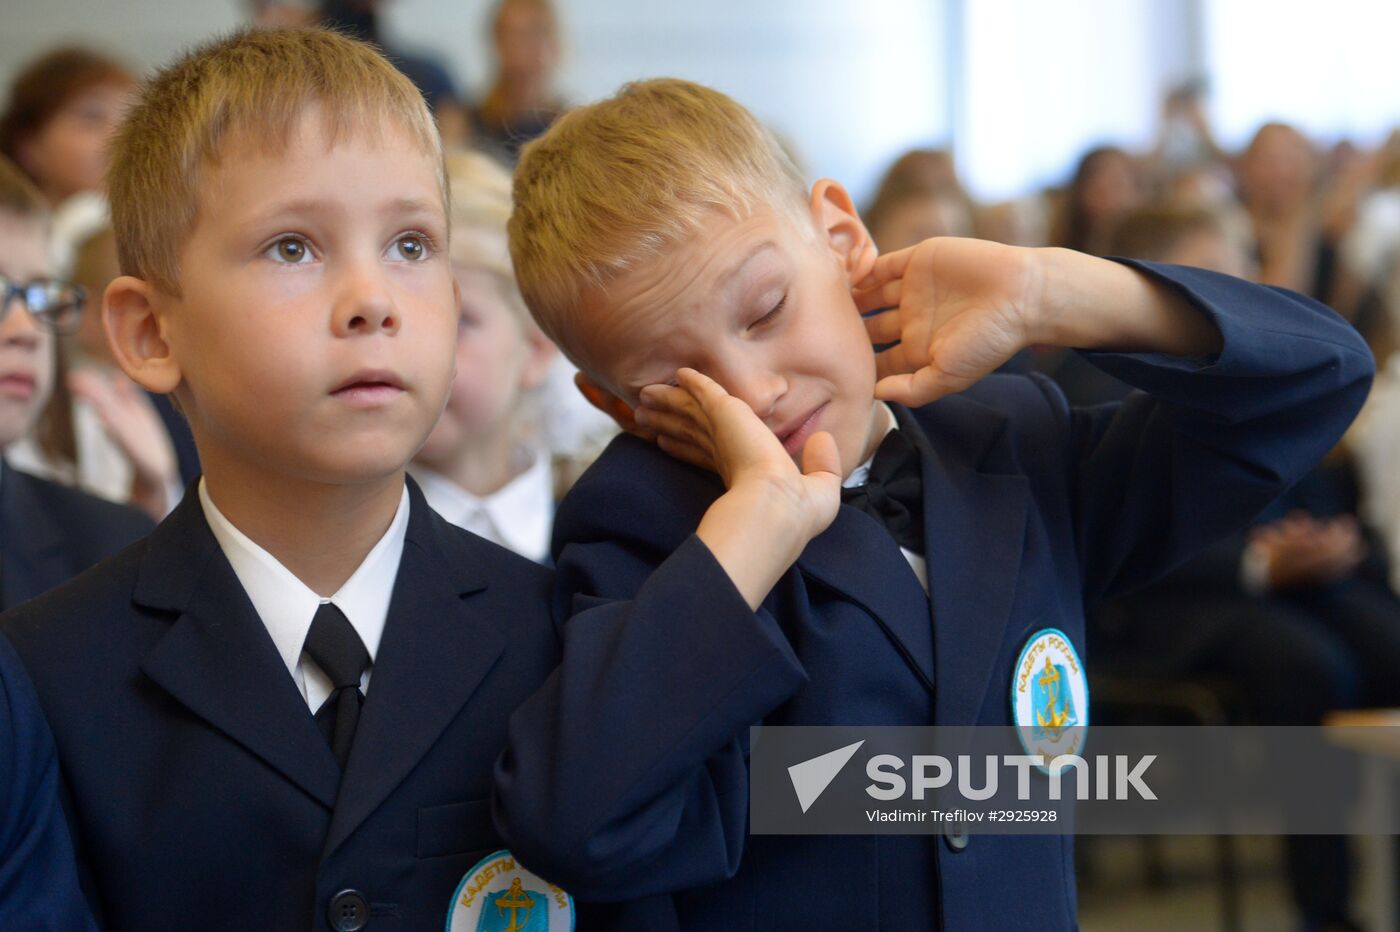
(48, 532)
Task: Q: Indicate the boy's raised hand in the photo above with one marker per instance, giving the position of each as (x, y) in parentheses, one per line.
(958, 309)
(771, 509)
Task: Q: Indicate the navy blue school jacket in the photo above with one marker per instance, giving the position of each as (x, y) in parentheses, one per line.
(625, 778)
(38, 878)
(200, 793)
(50, 533)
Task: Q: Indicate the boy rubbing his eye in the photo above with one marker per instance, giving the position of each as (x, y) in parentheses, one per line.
(662, 235)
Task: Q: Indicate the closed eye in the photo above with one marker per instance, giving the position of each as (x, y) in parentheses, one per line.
(771, 315)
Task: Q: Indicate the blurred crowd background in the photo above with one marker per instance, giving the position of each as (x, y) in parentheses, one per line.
(1256, 138)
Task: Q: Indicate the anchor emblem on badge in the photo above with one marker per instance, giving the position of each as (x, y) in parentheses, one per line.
(515, 899)
(501, 895)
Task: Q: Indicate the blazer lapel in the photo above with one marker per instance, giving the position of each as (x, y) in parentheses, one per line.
(974, 525)
(435, 652)
(219, 661)
(858, 558)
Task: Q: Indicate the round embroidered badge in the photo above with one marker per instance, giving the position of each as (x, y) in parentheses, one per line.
(1050, 695)
(498, 895)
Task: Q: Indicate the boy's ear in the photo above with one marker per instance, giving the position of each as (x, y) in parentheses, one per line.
(540, 353)
(611, 405)
(135, 335)
(838, 222)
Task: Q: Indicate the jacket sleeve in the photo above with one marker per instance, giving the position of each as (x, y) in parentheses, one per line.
(1207, 442)
(38, 876)
(626, 775)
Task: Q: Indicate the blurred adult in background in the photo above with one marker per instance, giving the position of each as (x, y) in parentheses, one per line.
(283, 14)
(1292, 618)
(360, 18)
(1185, 139)
(1279, 177)
(522, 101)
(920, 197)
(1105, 186)
(61, 111)
(1372, 246)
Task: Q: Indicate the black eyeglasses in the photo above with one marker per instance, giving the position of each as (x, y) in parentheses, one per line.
(56, 305)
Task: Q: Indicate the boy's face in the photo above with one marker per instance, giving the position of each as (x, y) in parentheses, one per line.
(26, 350)
(762, 306)
(498, 360)
(314, 332)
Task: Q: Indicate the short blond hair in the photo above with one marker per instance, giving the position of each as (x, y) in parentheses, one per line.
(479, 213)
(255, 83)
(618, 183)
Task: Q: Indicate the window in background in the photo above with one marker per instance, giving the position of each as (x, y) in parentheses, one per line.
(1041, 83)
(1330, 70)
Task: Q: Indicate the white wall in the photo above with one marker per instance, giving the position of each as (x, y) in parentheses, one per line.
(1043, 82)
(1333, 70)
(850, 85)
(1025, 86)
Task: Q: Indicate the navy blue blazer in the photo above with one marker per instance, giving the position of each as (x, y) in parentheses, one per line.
(50, 533)
(38, 878)
(626, 776)
(200, 792)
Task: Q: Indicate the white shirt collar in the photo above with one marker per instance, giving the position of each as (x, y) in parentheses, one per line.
(286, 605)
(519, 516)
(861, 473)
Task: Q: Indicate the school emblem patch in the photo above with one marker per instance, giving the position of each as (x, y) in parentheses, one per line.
(1050, 695)
(498, 895)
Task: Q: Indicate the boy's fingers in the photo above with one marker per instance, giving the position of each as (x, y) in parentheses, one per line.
(898, 360)
(886, 295)
(884, 328)
(663, 396)
(704, 388)
(669, 423)
(917, 388)
(820, 455)
(888, 267)
(685, 452)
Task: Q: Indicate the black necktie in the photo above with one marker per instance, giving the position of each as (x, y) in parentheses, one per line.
(339, 652)
(894, 493)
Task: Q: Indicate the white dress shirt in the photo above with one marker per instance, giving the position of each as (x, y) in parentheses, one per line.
(286, 606)
(519, 516)
(861, 474)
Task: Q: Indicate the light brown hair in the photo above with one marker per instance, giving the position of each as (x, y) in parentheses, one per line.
(257, 84)
(617, 183)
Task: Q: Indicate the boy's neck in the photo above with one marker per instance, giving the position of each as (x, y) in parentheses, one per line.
(483, 467)
(881, 419)
(321, 533)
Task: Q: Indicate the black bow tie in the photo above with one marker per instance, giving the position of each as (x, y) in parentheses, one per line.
(894, 492)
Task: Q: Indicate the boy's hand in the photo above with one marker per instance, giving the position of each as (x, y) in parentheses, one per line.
(771, 509)
(959, 309)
